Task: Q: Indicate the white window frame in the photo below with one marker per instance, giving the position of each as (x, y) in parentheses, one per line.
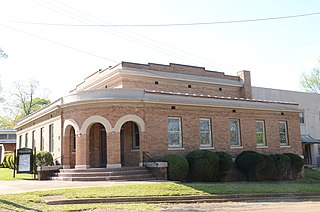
(26, 140)
(42, 139)
(207, 133)
(179, 133)
(285, 133)
(263, 133)
(51, 138)
(239, 144)
(302, 118)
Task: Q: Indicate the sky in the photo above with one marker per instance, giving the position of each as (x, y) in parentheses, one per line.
(44, 42)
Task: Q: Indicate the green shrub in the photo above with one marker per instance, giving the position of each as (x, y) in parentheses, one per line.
(252, 164)
(177, 167)
(282, 165)
(8, 160)
(203, 166)
(296, 165)
(44, 158)
(267, 172)
(225, 164)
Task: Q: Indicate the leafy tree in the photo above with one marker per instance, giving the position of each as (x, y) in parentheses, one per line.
(3, 54)
(26, 101)
(311, 83)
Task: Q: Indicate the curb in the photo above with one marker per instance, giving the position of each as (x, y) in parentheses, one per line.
(59, 200)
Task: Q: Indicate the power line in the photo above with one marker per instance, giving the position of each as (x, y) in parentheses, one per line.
(58, 43)
(166, 25)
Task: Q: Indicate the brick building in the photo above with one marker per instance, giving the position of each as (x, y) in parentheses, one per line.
(7, 142)
(116, 114)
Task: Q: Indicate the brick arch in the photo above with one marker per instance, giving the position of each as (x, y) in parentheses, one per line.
(139, 121)
(72, 123)
(95, 119)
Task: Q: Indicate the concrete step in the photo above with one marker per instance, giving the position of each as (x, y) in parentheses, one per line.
(104, 174)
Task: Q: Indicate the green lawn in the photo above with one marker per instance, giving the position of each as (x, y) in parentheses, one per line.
(33, 201)
(7, 174)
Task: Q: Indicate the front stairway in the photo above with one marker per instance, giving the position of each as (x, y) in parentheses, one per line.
(104, 174)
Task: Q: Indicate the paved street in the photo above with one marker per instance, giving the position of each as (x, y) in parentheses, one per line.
(297, 206)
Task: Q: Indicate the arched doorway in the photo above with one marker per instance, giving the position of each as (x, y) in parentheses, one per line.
(130, 144)
(97, 146)
(68, 157)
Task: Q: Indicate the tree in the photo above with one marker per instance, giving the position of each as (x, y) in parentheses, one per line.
(26, 101)
(311, 83)
(3, 54)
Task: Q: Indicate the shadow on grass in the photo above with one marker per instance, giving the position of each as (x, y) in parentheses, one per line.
(19, 207)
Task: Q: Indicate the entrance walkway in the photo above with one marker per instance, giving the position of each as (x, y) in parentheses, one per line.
(18, 186)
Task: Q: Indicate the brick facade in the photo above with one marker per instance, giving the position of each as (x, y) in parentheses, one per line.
(104, 108)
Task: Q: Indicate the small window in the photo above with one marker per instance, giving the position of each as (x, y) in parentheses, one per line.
(174, 132)
(33, 139)
(51, 138)
(260, 133)
(234, 129)
(42, 139)
(20, 141)
(4, 136)
(26, 140)
(283, 133)
(205, 132)
(135, 136)
(301, 115)
(12, 136)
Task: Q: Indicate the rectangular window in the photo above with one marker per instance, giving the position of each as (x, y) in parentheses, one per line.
(283, 133)
(260, 133)
(12, 136)
(33, 139)
(234, 128)
(26, 140)
(20, 141)
(42, 139)
(4, 136)
(174, 132)
(205, 132)
(51, 138)
(301, 115)
(135, 136)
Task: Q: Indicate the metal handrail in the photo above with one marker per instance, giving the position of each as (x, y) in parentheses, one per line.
(143, 160)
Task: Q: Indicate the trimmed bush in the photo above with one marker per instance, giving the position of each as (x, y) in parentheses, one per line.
(267, 172)
(296, 165)
(282, 164)
(44, 158)
(8, 160)
(225, 164)
(203, 166)
(177, 167)
(252, 164)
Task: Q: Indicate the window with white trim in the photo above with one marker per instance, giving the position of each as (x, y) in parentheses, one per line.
(33, 139)
(283, 133)
(174, 132)
(42, 139)
(51, 138)
(301, 115)
(260, 133)
(205, 132)
(234, 129)
(26, 140)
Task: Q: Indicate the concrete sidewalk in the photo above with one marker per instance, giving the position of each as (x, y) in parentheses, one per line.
(18, 186)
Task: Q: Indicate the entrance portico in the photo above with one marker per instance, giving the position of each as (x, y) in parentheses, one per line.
(97, 144)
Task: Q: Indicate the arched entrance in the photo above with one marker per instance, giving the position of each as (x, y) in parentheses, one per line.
(130, 144)
(69, 147)
(97, 146)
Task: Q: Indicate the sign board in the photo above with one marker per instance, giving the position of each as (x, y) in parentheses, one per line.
(25, 160)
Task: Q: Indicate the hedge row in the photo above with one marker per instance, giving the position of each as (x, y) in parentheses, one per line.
(42, 159)
(199, 165)
(260, 167)
(209, 166)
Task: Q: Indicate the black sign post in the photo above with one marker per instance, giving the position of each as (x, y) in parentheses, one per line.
(25, 161)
